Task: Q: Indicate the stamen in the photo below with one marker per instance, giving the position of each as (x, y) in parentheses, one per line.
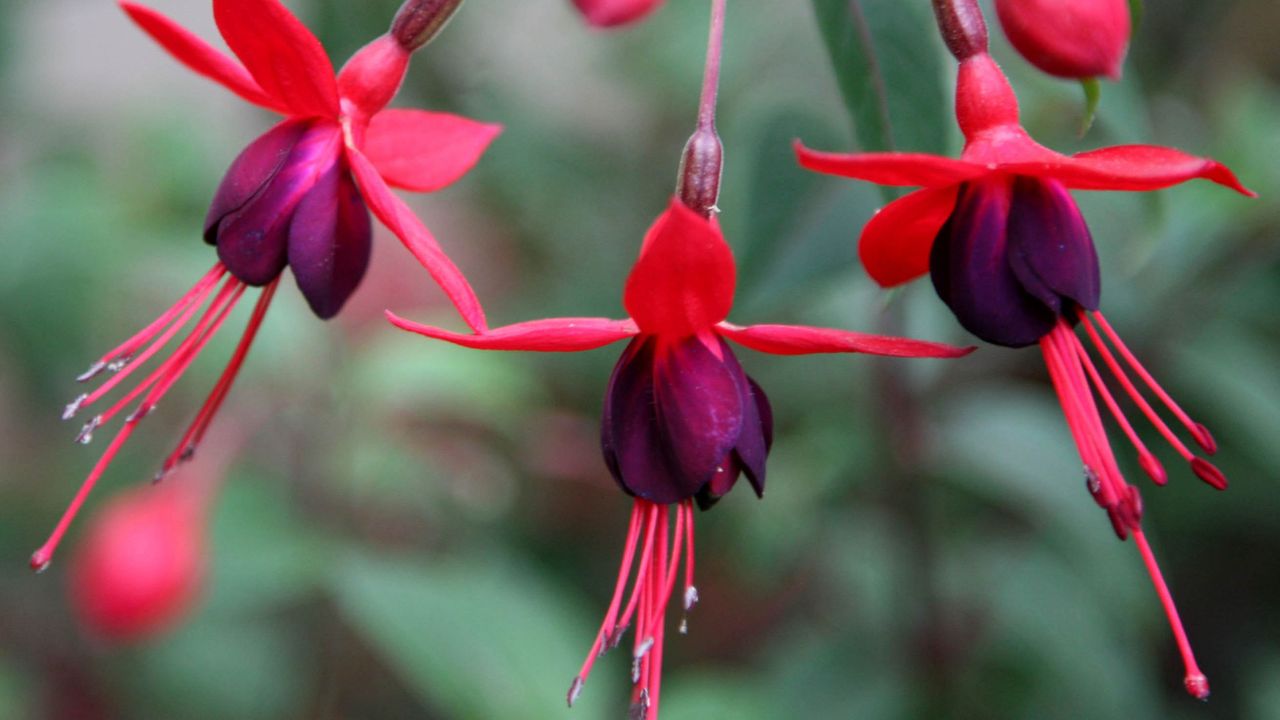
(1198, 431)
(85, 436)
(121, 355)
(1150, 465)
(1195, 681)
(73, 407)
(155, 346)
(41, 558)
(186, 447)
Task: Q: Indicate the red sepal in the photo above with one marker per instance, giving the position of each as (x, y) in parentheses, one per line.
(198, 55)
(684, 279)
(804, 340)
(1130, 167)
(425, 151)
(280, 53)
(895, 243)
(901, 169)
(402, 221)
(553, 335)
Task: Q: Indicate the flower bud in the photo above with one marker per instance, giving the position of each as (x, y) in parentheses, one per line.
(698, 183)
(611, 13)
(140, 565)
(1069, 38)
(418, 21)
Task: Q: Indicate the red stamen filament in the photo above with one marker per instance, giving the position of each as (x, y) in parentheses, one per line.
(1068, 362)
(661, 543)
(194, 296)
(160, 380)
(1201, 434)
(1195, 681)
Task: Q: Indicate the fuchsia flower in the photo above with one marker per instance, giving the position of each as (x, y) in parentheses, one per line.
(1010, 254)
(298, 196)
(612, 13)
(681, 418)
(1069, 38)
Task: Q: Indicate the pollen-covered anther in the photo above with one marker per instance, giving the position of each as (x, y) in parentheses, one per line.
(92, 372)
(73, 407)
(1209, 473)
(640, 708)
(140, 412)
(85, 436)
(690, 597)
(575, 690)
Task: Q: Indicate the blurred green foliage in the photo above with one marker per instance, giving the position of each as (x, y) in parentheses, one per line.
(409, 529)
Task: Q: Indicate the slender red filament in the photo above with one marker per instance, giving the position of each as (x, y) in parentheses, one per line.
(661, 541)
(1068, 364)
(162, 378)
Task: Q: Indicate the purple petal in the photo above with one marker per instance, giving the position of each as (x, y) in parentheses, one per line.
(1050, 248)
(252, 239)
(673, 413)
(757, 435)
(970, 270)
(330, 239)
(250, 172)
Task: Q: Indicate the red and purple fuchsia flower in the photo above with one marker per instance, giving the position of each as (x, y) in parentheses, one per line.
(299, 197)
(682, 419)
(1011, 256)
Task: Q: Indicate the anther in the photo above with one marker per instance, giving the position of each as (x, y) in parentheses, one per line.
(40, 560)
(92, 372)
(575, 689)
(690, 597)
(86, 433)
(119, 363)
(1092, 483)
(74, 406)
(1203, 438)
(1207, 472)
(1153, 468)
(640, 708)
(1198, 685)
(140, 412)
(641, 650)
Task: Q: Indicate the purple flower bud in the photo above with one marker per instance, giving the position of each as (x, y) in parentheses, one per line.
(1013, 257)
(682, 420)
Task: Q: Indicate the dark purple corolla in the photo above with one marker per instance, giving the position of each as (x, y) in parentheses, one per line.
(1013, 257)
(289, 200)
(682, 420)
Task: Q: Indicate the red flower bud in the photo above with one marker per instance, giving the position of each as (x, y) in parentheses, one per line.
(1069, 38)
(417, 22)
(140, 565)
(611, 13)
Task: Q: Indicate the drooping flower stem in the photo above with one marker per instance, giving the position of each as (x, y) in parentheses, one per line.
(698, 183)
(711, 72)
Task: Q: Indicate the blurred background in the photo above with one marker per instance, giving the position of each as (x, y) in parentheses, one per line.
(408, 529)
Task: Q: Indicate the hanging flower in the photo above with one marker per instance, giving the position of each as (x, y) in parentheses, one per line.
(681, 418)
(299, 196)
(1011, 255)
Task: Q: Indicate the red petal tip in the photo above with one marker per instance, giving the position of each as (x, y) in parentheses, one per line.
(1198, 686)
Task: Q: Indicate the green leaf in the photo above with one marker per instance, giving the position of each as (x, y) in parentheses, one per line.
(1092, 94)
(480, 639)
(887, 66)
